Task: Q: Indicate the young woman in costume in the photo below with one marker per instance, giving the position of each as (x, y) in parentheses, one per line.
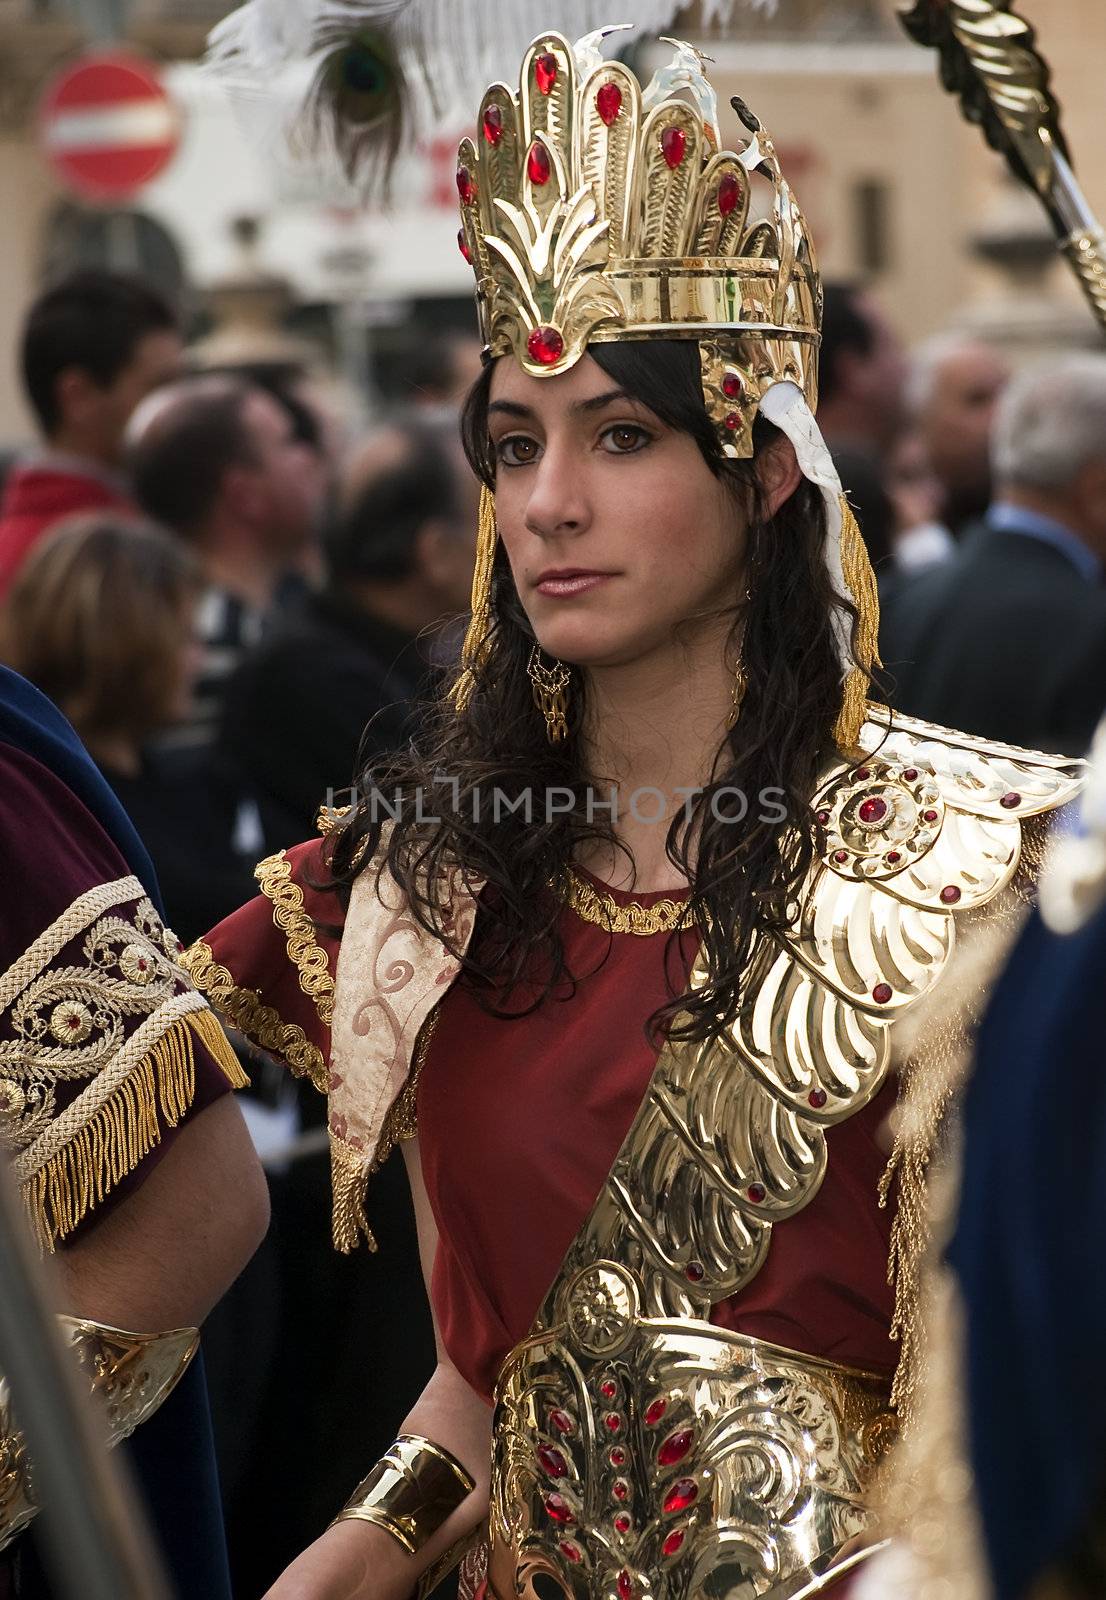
(622, 943)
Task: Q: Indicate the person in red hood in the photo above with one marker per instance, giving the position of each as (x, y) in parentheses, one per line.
(93, 346)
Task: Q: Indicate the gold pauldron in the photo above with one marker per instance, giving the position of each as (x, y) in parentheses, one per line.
(666, 1458)
(412, 1490)
(128, 1376)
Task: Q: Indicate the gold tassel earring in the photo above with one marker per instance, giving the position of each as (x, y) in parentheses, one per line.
(861, 581)
(550, 694)
(480, 624)
(740, 685)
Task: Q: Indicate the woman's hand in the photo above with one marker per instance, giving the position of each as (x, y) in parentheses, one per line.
(352, 1561)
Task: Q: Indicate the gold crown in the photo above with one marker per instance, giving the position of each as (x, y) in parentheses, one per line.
(594, 211)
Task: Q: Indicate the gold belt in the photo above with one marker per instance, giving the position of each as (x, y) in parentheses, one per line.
(639, 1458)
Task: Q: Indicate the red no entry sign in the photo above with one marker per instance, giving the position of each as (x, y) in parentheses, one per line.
(107, 125)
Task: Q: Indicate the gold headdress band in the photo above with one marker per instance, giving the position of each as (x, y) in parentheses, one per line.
(595, 211)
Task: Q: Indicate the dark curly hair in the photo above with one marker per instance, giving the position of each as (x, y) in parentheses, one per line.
(744, 876)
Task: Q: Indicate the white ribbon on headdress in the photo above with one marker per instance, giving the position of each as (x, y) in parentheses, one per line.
(785, 406)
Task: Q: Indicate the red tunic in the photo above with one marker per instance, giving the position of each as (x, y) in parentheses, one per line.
(520, 1121)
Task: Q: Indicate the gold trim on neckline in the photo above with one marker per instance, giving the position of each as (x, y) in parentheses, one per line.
(604, 911)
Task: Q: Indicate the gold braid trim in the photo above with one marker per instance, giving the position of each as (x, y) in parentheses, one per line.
(245, 1010)
(155, 1095)
(936, 1041)
(857, 570)
(480, 625)
(274, 875)
(347, 1182)
(401, 1121)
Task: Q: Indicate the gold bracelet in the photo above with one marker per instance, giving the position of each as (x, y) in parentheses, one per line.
(412, 1490)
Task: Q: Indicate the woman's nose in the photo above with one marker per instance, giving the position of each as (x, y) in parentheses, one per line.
(558, 499)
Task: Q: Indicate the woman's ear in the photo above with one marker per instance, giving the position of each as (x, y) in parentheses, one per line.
(778, 473)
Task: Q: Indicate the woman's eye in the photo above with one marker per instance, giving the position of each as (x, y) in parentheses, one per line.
(624, 438)
(517, 451)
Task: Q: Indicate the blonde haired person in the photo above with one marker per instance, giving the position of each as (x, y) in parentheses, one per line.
(615, 950)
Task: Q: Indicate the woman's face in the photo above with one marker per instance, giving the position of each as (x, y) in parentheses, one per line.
(616, 529)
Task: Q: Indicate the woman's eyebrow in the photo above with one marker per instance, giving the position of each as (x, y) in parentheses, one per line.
(598, 402)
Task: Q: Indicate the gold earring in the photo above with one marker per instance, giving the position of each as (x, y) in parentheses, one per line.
(740, 684)
(550, 696)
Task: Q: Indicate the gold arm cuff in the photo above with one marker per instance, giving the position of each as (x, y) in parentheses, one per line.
(413, 1489)
(129, 1375)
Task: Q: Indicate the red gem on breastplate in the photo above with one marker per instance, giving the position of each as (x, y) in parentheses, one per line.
(569, 1550)
(882, 993)
(493, 124)
(466, 185)
(757, 1193)
(675, 1447)
(683, 1493)
(617, 1457)
(539, 168)
(612, 1422)
(930, 815)
(558, 1508)
(620, 1489)
(892, 856)
(861, 773)
(625, 1585)
(545, 346)
(562, 1422)
(873, 809)
(622, 1523)
(608, 103)
(729, 193)
(674, 146)
(695, 1272)
(608, 1388)
(732, 386)
(840, 856)
(910, 774)
(654, 1412)
(1009, 801)
(463, 247)
(821, 818)
(950, 894)
(545, 71)
(674, 1542)
(552, 1461)
(817, 1098)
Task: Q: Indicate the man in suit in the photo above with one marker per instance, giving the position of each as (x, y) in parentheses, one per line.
(1008, 639)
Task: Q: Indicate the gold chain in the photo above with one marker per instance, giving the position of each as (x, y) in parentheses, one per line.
(604, 911)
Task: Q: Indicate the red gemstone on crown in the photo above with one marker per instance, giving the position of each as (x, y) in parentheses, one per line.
(840, 856)
(757, 1193)
(562, 1422)
(608, 103)
(882, 993)
(733, 421)
(620, 1489)
(674, 146)
(892, 857)
(493, 124)
(695, 1272)
(930, 815)
(558, 1508)
(552, 1461)
(539, 168)
(1009, 801)
(625, 1585)
(674, 1542)
(546, 346)
(463, 247)
(569, 1550)
(545, 71)
(817, 1098)
(950, 894)
(612, 1422)
(910, 774)
(617, 1456)
(683, 1493)
(729, 193)
(732, 386)
(466, 185)
(608, 1388)
(654, 1412)
(622, 1523)
(872, 810)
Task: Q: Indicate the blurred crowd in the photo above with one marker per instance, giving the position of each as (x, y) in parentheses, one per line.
(234, 604)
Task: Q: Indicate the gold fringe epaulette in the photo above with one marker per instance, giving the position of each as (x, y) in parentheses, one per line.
(107, 1148)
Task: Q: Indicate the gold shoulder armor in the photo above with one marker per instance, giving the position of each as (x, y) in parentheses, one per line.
(924, 828)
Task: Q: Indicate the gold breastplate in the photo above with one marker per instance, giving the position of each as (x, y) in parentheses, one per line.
(644, 1457)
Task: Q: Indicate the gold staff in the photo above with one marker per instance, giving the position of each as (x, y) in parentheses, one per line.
(989, 58)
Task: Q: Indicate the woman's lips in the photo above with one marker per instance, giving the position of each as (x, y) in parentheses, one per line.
(564, 585)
